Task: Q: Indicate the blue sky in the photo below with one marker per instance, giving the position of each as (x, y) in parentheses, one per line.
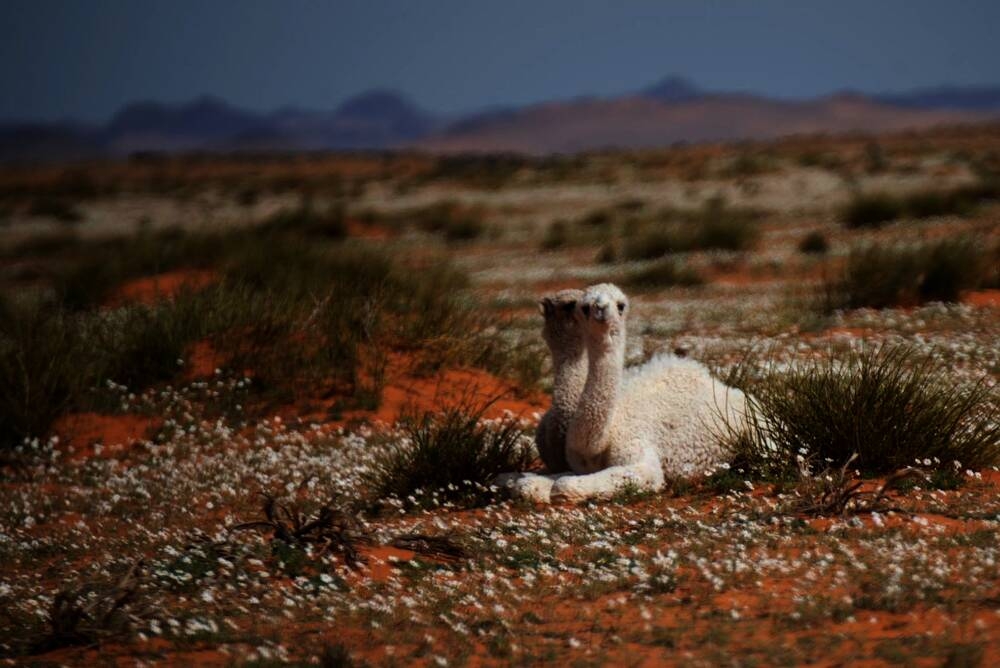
(85, 58)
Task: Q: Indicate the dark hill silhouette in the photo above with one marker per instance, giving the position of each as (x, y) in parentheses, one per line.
(673, 89)
(967, 98)
(643, 121)
(673, 109)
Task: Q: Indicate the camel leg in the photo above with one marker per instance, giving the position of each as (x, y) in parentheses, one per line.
(528, 486)
(551, 445)
(604, 484)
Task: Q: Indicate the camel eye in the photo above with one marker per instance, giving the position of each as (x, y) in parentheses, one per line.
(621, 307)
(569, 306)
(586, 310)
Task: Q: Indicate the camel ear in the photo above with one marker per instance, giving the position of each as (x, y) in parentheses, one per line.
(545, 307)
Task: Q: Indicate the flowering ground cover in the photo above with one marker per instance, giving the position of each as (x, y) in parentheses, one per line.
(208, 510)
(692, 576)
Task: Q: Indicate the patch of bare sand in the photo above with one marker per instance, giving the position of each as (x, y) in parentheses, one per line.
(81, 433)
(151, 289)
(982, 298)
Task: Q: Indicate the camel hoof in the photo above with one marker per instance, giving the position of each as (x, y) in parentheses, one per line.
(526, 486)
(563, 491)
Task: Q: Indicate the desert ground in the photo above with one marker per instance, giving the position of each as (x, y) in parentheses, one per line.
(251, 407)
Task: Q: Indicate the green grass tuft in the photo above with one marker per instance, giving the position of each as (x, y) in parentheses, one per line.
(58, 208)
(871, 210)
(889, 405)
(307, 221)
(715, 226)
(556, 236)
(305, 316)
(814, 243)
(878, 276)
(666, 272)
(455, 454)
(875, 209)
(42, 368)
(449, 219)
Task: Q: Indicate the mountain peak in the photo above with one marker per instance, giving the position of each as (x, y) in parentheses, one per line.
(673, 88)
(391, 111)
(378, 102)
(205, 116)
(383, 118)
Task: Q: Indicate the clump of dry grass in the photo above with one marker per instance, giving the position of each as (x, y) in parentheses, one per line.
(444, 548)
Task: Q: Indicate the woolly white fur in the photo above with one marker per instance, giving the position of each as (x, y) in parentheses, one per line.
(681, 408)
(632, 426)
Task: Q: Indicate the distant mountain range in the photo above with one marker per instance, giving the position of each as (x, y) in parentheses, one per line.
(669, 111)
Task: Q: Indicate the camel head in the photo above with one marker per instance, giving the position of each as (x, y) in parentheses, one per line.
(561, 330)
(602, 311)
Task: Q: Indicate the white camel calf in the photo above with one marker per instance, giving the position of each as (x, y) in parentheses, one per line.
(631, 426)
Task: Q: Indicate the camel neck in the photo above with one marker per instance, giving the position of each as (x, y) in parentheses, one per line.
(570, 374)
(592, 420)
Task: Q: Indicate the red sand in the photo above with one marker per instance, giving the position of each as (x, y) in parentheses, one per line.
(985, 298)
(406, 390)
(356, 228)
(202, 360)
(151, 289)
(115, 433)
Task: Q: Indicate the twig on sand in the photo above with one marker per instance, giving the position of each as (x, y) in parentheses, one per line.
(838, 492)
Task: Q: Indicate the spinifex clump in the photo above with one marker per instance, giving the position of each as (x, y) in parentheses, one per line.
(451, 456)
(888, 404)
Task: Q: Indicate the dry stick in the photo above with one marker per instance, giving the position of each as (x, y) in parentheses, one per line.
(897, 477)
(837, 500)
(320, 305)
(442, 547)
